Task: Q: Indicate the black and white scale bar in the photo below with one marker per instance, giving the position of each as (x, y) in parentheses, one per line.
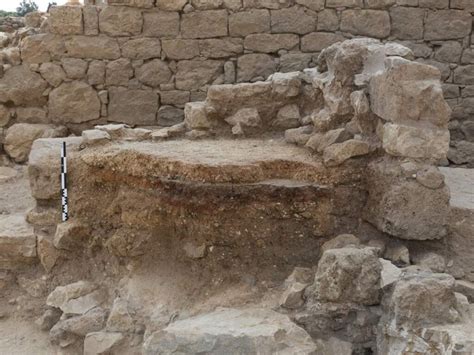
(64, 201)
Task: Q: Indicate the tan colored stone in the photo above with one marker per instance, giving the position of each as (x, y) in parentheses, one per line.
(91, 20)
(52, 73)
(251, 66)
(338, 153)
(204, 24)
(154, 73)
(96, 72)
(171, 5)
(5, 115)
(19, 138)
(344, 3)
(120, 21)
(220, 48)
(316, 5)
(133, 3)
(248, 22)
(118, 72)
(134, 107)
(22, 87)
(328, 20)
(75, 68)
(447, 24)
(17, 240)
(142, 48)
(269, 43)
(101, 342)
(66, 20)
(97, 47)
(371, 23)
(196, 116)
(407, 22)
(293, 20)
(31, 115)
(317, 41)
(181, 48)
(47, 253)
(74, 102)
(193, 74)
(161, 24)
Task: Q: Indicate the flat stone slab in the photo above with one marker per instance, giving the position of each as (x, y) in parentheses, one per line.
(214, 161)
(461, 185)
(17, 240)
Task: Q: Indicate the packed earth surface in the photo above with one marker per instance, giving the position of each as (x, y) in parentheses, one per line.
(243, 177)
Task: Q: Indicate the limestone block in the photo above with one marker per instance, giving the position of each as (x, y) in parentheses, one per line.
(250, 66)
(315, 5)
(292, 62)
(72, 235)
(328, 20)
(269, 43)
(247, 22)
(338, 153)
(66, 297)
(287, 117)
(419, 142)
(133, 3)
(319, 142)
(379, 4)
(5, 115)
(372, 23)
(31, 115)
(181, 48)
(169, 115)
(196, 116)
(317, 41)
(467, 5)
(204, 24)
(174, 97)
(66, 20)
(266, 4)
(464, 74)
(73, 102)
(101, 342)
(227, 330)
(344, 3)
(193, 74)
(141, 48)
(96, 47)
(347, 275)
(407, 22)
(92, 137)
(425, 211)
(293, 20)
(171, 5)
(120, 21)
(52, 73)
(34, 48)
(220, 48)
(341, 241)
(91, 20)
(450, 51)
(154, 73)
(74, 68)
(22, 87)
(161, 24)
(17, 239)
(118, 72)
(395, 101)
(19, 138)
(134, 107)
(434, 4)
(96, 72)
(447, 24)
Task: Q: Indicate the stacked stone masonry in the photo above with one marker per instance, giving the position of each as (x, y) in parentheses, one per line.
(140, 61)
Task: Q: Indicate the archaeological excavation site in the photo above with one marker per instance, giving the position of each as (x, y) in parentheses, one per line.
(238, 177)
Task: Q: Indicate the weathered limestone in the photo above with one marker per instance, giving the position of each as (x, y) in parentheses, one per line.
(230, 330)
(17, 241)
(66, 20)
(22, 87)
(132, 106)
(120, 21)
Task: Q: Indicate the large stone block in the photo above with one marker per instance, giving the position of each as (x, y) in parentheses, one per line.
(17, 240)
(171, 5)
(97, 47)
(407, 22)
(134, 107)
(154, 73)
(118, 72)
(293, 20)
(467, 5)
(161, 24)
(20, 137)
(464, 74)
(317, 41)
(220, 48)
(269, 43)
(120, 21)
(132, 3)
(315, 5)
(372, 23)
(142, 48)
(42, 48)
(66, 20)
(401, 206)
(22, 87)
(434, 4)
(204, 24)
(266, 4)
(181, 48)
(251, 66)
(347, 275)
(344, 3)
(91, 20)
(409, 91)
(31, 115)
(447, 24)
(248, 22)
(74, 102)
(194, 74)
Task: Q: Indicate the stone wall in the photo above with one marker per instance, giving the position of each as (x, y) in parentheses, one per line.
(139, 61)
